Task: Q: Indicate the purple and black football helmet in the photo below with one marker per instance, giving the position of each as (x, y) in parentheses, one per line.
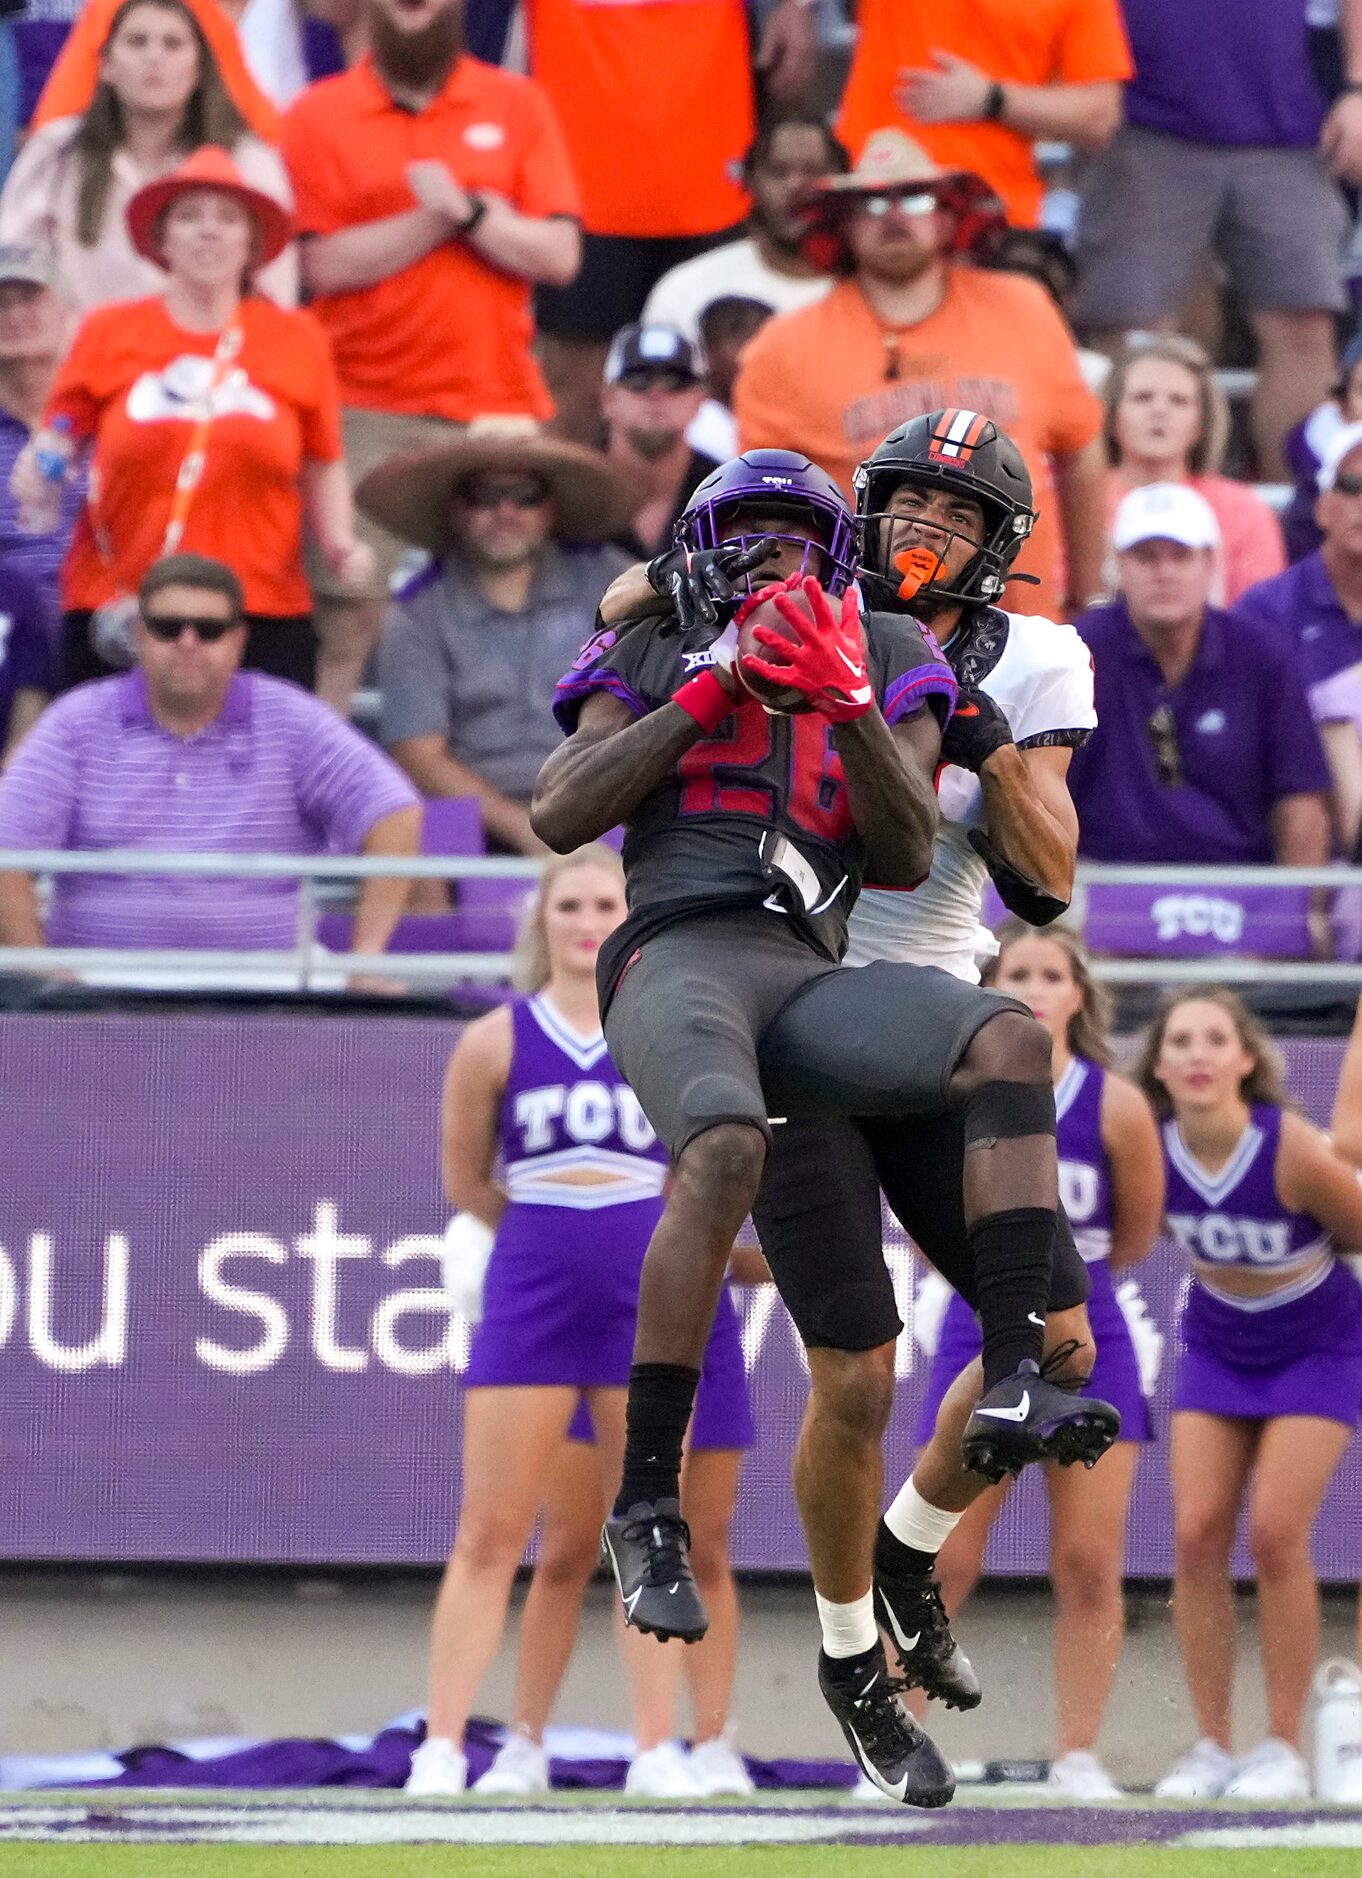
(770, 482)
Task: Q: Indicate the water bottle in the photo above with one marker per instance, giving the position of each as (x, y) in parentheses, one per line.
(1338, 1731)
(51, 462)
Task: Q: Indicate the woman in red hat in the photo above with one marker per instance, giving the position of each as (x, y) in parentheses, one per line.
(213, 423)
(162, 78)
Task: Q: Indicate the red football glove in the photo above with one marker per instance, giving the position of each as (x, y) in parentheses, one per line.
(827, 661)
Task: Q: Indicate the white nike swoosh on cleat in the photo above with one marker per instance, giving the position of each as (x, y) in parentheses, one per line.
(905, 1643)
(1017, 1414)
(894, 1788)
(672, 1590)
(631, 1601)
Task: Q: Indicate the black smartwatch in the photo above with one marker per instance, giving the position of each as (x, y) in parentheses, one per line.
(469, 225)
(995, 102)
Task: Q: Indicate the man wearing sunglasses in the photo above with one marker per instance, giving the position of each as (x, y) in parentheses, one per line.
(909, 328)
(189, 753)
(1205, 750)
(518, 527)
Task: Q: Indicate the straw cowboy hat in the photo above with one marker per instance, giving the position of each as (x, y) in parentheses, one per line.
(208, 168)
(411, 495)
(892, 160)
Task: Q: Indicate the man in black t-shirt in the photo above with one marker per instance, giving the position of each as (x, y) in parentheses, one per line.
(749, 834)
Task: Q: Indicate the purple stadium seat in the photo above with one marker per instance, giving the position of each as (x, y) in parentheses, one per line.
(1209, 922)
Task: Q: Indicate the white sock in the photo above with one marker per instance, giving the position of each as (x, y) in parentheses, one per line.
(916, 1522)
(848, 1629)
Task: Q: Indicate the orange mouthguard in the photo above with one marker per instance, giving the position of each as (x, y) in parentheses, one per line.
(918, 566)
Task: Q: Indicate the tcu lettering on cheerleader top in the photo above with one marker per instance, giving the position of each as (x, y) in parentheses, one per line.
(1234, 1219)
(567, 1110)
(1084, 1178)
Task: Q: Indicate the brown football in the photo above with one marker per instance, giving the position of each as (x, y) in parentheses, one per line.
(774, 697)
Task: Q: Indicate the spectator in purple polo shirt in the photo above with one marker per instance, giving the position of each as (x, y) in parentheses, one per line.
(26, 674)
(1315, 607)
(1205, 751)
(1224, 148)
(188, 754)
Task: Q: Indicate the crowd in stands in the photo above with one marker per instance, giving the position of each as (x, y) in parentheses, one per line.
(426, 317)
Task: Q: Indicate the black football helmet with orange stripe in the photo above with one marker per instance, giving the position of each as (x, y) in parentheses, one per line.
(958, 450)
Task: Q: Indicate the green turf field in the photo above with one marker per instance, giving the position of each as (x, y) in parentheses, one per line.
(1036, 1861)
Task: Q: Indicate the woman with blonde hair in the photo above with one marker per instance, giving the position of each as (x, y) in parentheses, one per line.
(1269, 1374)
(157, 96)
(558, 1179)
(1111, 1185)
(1167, 422)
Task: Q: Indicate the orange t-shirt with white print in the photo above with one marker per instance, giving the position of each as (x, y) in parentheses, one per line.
(133, 382)
(831, 381)
(1026, 42)
(450, 335)
(655, 99)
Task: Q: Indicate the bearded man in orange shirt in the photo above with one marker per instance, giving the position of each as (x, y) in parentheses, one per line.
(911, 328)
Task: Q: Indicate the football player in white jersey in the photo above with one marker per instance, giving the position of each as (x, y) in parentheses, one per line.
(945, 506)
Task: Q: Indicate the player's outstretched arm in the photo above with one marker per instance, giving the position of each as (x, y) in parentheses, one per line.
(609, 765)
(890, 781)
(1031, 816)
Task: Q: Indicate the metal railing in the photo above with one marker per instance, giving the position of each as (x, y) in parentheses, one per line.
(310, 965)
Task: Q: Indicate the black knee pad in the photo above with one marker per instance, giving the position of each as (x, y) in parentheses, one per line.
(1004, 1111)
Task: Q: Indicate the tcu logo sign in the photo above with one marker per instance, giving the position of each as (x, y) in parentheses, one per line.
(1225, 1241)
(1199, 916)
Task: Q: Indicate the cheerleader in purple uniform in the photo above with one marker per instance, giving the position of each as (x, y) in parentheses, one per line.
(1111, 1183)
(1269, 1377)
(557, 1173)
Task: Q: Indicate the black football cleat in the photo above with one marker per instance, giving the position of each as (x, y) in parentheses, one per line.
(890, 1748)
(647, 1548)
(1026, 1418)
(908, 1609)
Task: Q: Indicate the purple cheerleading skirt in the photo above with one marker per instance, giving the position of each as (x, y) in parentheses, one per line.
(561, 1296)
(1302, 1358)
(722, 1417)
(1115, 1374)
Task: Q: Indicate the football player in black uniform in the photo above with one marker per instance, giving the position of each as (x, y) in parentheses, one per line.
(749, 833)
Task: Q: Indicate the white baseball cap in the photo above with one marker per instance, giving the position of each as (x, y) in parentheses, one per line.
(1343, 442)
(1165, 512)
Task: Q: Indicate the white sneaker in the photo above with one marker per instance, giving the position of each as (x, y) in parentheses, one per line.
(437, 1768)
(1274, 1771)
(717, 1768)
(520, 1769)
(1203, 1773)
(1081, 1776)
(661, 1773)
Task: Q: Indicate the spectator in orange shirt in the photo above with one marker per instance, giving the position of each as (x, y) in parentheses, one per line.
(908, 329)
(432, 191)
(214, 422)
(657, 106)
(1167, 422)
(978, 82)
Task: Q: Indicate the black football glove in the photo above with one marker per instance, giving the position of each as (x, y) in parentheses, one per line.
(1017, 891)
(977, 728)
(699, 584)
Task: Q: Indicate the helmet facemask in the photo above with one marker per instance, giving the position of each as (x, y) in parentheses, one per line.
(830, 559)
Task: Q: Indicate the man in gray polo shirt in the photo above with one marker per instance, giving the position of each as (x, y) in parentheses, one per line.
(475, 643)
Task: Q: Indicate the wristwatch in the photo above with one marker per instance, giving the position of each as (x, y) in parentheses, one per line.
(469, 225)
(995, 103)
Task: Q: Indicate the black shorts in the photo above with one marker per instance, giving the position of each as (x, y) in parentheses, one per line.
(617, 274)
(731, 1017)
(818, 1218)
(283, 646)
